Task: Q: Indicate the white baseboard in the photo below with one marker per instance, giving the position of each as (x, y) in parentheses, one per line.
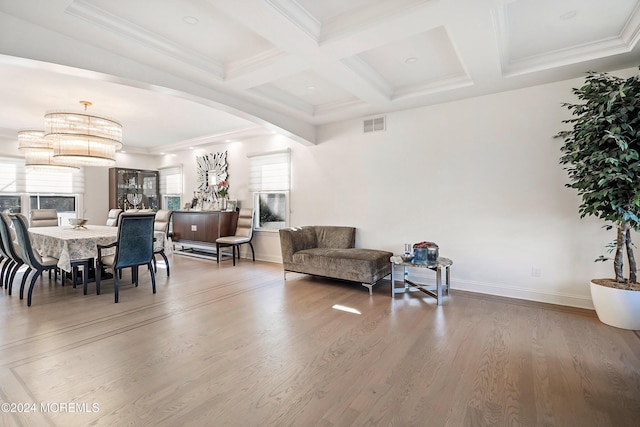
(569, 300)
(525, 294)
(274, 259)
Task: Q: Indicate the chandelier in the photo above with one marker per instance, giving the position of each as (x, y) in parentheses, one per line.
(83, 139)
(38, 152)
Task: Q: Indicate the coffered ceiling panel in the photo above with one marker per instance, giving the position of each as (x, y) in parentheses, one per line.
(193, 25)
(546, 33)
(418, 62)
(306, 91)
(291, 65)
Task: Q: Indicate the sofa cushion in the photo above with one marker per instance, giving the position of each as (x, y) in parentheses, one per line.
(358, 265)
(338, 237)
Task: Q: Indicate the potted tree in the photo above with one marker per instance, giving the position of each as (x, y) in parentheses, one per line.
(601, 154)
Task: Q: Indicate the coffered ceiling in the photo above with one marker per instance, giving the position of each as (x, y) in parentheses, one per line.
(183, 72)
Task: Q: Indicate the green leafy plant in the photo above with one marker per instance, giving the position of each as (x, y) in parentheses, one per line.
(601, 154)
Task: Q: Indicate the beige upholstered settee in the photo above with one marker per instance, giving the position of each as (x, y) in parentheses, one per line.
(329, 251)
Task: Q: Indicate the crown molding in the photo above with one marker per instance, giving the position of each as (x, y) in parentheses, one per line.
(368, 74)
(279, 96)
(338, 106)
(242, 66)
(444, 84)
(298, 16)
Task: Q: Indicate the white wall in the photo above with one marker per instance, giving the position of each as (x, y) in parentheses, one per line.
(480, 177)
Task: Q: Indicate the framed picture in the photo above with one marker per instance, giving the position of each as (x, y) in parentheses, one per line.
(231, 205)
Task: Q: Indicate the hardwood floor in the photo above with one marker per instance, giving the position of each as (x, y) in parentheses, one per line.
(238, 346)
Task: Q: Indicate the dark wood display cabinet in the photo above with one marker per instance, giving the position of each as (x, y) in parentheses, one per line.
(134, 189)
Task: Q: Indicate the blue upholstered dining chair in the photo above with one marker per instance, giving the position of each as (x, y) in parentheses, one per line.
(30, 256)
(133, 248)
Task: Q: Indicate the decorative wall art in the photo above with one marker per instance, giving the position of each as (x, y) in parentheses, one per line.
(211, 170)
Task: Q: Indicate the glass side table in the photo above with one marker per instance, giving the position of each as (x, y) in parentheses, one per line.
(434, 291)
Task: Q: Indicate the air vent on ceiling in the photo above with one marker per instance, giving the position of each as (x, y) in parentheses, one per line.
(376, 124)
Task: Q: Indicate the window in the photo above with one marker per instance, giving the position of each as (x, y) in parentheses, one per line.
(269, 179)
(171, 202)
(22, 188)
(272, 211)
(59, 203)
(171, 187)
(10, 204)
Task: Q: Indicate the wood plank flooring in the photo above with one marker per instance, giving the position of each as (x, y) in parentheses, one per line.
(238, 346)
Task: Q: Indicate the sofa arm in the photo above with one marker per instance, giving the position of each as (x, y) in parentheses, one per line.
(294, 239)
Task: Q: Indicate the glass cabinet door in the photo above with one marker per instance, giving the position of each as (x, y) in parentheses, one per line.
(134, 189)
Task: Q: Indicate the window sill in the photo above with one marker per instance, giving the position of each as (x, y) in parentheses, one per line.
(265, 230)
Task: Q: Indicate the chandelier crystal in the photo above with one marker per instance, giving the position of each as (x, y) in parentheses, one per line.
(38, 152)
(83, 139)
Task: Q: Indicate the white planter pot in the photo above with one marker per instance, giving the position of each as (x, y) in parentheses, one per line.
(617, 307)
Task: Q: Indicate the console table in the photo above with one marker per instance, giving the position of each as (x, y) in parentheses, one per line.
(434, 291)
(200, 229)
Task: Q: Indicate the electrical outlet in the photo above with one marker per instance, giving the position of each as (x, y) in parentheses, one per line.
(536, 271)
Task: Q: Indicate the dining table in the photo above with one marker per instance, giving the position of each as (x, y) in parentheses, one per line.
(70, 244)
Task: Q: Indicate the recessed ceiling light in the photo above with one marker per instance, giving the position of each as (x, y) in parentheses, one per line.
(311, 87)
(191, 20)
(569, 15)
(411, 60)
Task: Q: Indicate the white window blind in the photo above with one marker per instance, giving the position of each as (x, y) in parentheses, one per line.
(59, 182)
(11, 176)
(270, 171)
(16, 178)
(171, 180)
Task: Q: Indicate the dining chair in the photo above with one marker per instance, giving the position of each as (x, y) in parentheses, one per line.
(133, 248)
(13, 261)
(243, 234)
(7, 264)
(113, 216)
(161, 223)
(44, 217)
(30, 257)
(9, 245)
